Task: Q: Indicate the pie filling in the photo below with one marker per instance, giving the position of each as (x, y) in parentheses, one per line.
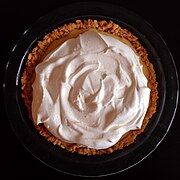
(90, 90)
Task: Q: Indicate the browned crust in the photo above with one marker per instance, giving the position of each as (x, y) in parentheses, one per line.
(36, 55)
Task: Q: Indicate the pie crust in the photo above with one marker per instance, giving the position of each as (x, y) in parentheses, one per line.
(67, 31)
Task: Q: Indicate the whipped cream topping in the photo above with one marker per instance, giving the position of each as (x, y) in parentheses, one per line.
(90, 90)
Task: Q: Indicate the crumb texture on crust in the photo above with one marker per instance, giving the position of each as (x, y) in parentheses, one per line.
(35, 57)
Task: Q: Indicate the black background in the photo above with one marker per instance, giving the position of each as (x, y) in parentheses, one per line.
(16, 161)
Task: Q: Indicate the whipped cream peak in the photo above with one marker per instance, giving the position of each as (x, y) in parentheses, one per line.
(90, 90)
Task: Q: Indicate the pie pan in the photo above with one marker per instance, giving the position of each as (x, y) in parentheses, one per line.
(96, 165)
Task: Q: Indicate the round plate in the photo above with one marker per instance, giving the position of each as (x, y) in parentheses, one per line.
(120, 160)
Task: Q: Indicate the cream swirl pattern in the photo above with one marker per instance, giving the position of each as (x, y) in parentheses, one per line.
(90, 90)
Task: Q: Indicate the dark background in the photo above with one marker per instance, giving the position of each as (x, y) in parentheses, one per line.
(16, 161)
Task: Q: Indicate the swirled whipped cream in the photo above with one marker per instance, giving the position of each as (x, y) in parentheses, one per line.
(90, 90)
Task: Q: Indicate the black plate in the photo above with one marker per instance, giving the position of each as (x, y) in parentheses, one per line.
(118, 161)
